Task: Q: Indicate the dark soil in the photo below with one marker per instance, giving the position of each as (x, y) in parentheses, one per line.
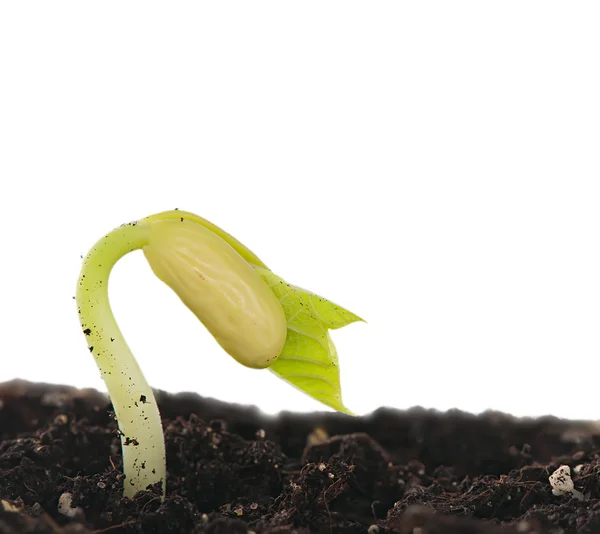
(233, 470)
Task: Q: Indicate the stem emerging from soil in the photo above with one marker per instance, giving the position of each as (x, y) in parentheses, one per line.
(133, 401)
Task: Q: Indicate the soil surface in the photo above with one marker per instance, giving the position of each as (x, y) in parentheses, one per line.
(234, 470)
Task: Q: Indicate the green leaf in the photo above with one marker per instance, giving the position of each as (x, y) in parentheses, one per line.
(309, 359)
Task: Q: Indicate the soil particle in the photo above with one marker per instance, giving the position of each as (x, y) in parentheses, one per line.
(233, 470)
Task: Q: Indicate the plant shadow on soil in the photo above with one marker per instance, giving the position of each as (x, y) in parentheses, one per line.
(234, 470)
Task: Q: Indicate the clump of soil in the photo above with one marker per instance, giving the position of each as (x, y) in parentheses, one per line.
(233, 470)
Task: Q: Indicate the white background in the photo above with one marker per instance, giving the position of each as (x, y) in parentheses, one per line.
(433, 167)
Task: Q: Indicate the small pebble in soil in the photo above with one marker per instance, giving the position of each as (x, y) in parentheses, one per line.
(10, 507)
(65, 506)
(562, 483)
(317, 436)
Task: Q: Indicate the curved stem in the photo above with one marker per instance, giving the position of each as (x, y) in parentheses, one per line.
(133, 401)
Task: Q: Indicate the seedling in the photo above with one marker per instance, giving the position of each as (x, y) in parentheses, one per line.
(257, 317)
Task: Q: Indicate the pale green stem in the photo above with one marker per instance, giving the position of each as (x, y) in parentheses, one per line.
(133, 401)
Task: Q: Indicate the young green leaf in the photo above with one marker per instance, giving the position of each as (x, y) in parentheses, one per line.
(309, 360)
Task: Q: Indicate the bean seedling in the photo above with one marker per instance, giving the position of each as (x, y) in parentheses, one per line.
(257, 317)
